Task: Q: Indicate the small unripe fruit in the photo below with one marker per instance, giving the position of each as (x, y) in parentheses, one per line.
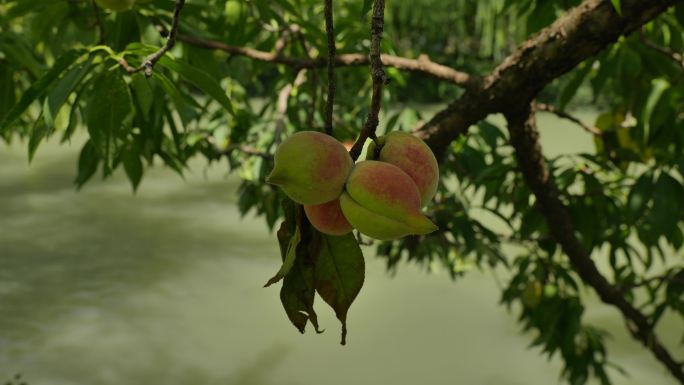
(328, 218)
(383, 202)
(311, 167)
(234, 10)
(115, 5)
(532, 294)
(414, 157)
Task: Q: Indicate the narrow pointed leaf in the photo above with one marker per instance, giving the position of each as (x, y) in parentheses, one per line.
(39, 87)
(339, 274)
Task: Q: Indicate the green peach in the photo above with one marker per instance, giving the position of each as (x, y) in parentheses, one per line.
(311, 167)
(383, 202)
(234, 10)
(414, 157)
(328, 218)
(115, 5)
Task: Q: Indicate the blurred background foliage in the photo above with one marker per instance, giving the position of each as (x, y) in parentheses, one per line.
(61, 75)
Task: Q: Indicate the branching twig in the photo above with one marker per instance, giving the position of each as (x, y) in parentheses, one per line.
(378, 74)
(149, 62)
(332, 51)
(672, 55)
(421, 65)
(245, 150)
(562, 114)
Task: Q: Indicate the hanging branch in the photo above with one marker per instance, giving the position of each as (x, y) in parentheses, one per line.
(148, 64)
(525, 140)
(378, 74)
(332, 51)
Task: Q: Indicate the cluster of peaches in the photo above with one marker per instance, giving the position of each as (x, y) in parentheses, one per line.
(381, 196)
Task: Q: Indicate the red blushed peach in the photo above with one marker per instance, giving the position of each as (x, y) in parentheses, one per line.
(415, 158)
(328, 218)
(383, 202)
(311, 167)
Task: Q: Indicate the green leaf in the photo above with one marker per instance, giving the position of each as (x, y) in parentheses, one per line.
(297, 293)
(617, 6)
(640, 195)
(201, 79)
(288, 258)
(58, 95)
(143, 93)
(659, 87)
(38, 133)
(7, 93)
(367, 4)
(339, 274)
(88, 161)
(631, 63)
(679, 13)
(109, 108)
(39, 87)
(574, 84)
(133, 166)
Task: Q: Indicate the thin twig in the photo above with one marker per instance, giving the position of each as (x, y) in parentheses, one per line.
(245, 150)
(148, 64)
(332, 51)
(421, 65)
(378, 74)
(674, 56)
(562, 114)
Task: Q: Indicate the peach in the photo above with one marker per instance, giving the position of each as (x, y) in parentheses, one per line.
(311, 167)
(383, 202)
(414, 157)
(328, 218)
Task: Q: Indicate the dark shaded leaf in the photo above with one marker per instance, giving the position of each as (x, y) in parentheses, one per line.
(367, 4)
(87, 163)
(339, 274)
(297, 293)
(133, 166)
(39, 87)
(288, 258)
(109, 108)
(201, 79)
(59, 94)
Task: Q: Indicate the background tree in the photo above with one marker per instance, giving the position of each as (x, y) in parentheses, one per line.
(244, 74)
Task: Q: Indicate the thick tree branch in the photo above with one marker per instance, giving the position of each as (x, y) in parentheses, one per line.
(525, 140)
(378, 75)
(422, 65)
(579, 34)
(332, 51)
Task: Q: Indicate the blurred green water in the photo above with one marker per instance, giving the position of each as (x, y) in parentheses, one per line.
(164, 287)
